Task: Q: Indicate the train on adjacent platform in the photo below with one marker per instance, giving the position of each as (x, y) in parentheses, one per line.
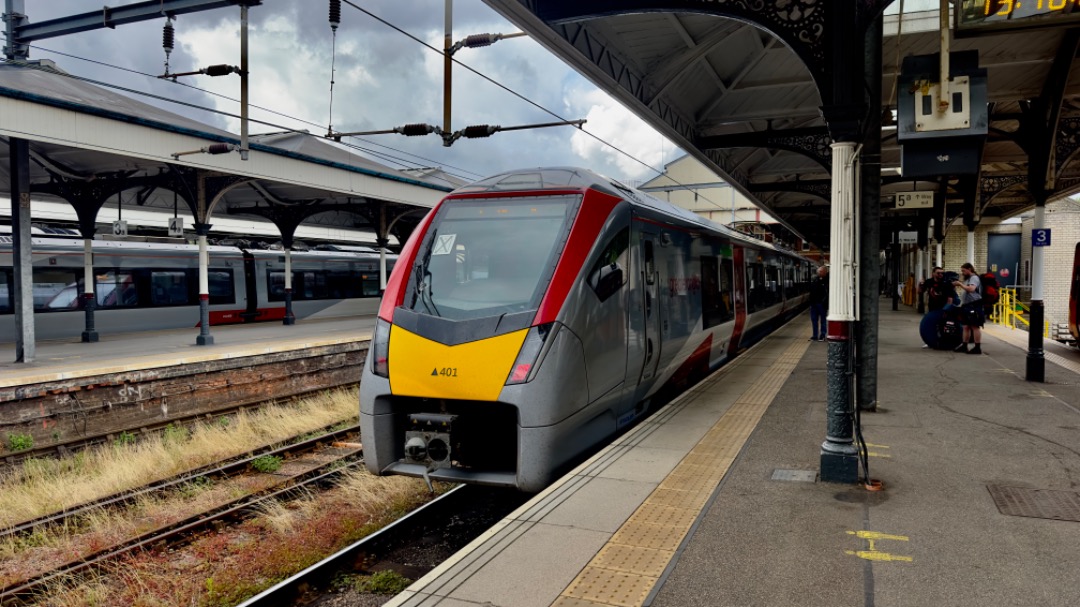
(145, 286)
(535, 314)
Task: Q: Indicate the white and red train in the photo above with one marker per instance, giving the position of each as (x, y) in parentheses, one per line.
(147, 286)
(536, 313)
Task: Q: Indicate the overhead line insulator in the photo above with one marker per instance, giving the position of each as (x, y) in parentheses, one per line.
(220, 69)
(479, 40)
(168, 36)
(479, 130)
(335, 14)
(412, 130)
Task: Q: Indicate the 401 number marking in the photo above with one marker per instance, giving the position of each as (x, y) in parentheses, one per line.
(444, 372)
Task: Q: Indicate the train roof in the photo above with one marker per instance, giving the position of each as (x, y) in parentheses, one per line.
(120, 245)
(555, 178)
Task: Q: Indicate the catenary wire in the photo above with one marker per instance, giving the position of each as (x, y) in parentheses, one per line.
(268, 110)
(523, 98)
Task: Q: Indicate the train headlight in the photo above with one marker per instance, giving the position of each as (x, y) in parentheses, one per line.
(529, 358)
(380, 349)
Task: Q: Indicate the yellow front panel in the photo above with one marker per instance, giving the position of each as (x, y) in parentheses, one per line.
(472, 371)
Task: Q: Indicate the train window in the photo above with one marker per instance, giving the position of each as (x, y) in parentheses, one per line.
(790, 288)
(56, 289)
(757, 297)
(715, 291)
(220, 283)
(5, 293)
(115, 290)
(168, 287)
(610, 271)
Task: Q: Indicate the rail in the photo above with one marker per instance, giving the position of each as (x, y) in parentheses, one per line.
(1009, 311)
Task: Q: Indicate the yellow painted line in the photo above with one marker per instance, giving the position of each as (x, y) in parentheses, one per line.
(626, 570)
(877, 446)
(876, 454)
(873, 554)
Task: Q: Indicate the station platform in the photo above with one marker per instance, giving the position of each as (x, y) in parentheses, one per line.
(122, 352)
(714, 500)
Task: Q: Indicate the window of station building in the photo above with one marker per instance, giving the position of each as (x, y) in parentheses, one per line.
(56, 289)
(168, 287)
(611, 271)
(6, 306)
(716, 301)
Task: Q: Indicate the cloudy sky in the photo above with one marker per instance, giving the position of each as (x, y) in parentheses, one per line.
(383, 79)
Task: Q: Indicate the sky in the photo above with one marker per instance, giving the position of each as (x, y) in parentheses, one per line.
(383, 79)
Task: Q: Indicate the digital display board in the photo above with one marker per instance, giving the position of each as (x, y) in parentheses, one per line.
(977, 16)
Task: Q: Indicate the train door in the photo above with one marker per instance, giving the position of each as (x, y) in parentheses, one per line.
(739, 262)
(650, 302)
(251, 293)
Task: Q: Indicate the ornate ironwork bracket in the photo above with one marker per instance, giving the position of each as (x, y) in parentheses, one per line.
(812, 142)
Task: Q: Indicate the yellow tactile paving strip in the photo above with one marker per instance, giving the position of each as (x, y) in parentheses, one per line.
(624, 572)
(1020, 340)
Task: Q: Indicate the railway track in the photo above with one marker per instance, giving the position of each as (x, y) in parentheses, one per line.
(10, 461)
(346, 457)
(213, 471)
(417, 543)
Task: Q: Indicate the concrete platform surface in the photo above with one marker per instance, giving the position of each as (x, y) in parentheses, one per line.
(66, 359)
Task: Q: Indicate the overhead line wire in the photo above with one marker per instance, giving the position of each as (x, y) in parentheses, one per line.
(265, 109)
(522, 97)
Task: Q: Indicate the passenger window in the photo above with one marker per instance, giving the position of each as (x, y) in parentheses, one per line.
(168, 288)
(220, 284)
(115, 290)
(5, 294)
(56, 289)
(609, 273)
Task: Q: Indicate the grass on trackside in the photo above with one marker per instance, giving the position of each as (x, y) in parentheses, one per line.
(224, 568)
(44, 486)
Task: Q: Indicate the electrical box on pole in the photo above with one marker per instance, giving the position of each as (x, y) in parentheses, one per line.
(941, 137)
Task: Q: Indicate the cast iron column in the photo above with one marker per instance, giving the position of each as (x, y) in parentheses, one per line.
(866, 349)
(1036, 362)
(22, 262)
(839, 456)
(290, 319)
(204, 338)
(89, 335)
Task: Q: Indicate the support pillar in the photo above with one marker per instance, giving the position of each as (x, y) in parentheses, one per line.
(22, 257)
(895, 266)
(89, 334)
(1036, 362)
(869, 254)
(382, 241)
(839, 455)
(204, 338)
(971, 245)
(289, 319)
(938, 246)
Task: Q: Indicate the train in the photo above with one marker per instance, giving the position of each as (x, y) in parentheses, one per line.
(144, 286)
(537, 313)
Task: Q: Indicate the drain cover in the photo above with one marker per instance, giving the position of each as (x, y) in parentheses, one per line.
(1036, 503)
(803, 476)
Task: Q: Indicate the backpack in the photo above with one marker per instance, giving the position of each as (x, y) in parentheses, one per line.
(989, 289)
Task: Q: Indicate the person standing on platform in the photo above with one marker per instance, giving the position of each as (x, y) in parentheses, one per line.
(971, 309)
(819, 303)
(938, 292)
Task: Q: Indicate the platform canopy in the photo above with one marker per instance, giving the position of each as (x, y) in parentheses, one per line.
(89, 143)
(736, 84)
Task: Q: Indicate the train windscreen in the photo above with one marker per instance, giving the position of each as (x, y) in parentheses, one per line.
(487, 257)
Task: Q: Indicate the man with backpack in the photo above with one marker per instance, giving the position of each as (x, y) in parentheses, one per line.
(971, 309)
(990, 291)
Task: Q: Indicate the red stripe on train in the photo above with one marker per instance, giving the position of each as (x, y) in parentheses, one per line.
(234, 317)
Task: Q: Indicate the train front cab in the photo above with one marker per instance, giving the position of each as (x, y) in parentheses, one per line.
(473, 375)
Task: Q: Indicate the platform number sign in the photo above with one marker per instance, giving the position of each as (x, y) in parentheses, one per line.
(176, 226)
(119, 228)
(1040, 238)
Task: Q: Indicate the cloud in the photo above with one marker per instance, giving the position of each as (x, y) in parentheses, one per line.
(383, 79)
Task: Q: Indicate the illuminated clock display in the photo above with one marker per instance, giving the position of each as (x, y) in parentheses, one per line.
(991, 15)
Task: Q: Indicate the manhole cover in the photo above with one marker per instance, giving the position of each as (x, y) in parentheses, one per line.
(1036, 503)
(802, 476)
